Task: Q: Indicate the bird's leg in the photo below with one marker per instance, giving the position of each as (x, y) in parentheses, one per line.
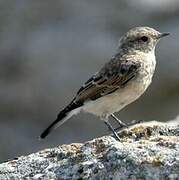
(121, 124)
(134, 122)
(112, 129)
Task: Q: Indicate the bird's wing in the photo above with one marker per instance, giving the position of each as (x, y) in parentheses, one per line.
(114, 75)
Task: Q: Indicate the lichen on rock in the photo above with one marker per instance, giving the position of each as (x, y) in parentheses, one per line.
(146, 151)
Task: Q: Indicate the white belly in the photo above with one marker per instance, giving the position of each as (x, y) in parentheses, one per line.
(116, 101)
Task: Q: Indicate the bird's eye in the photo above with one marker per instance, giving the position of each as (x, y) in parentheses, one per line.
(144, 38)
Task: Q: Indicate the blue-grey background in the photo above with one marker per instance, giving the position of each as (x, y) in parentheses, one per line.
(49, 48)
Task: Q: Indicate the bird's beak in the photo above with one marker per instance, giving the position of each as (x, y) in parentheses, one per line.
(163, 35)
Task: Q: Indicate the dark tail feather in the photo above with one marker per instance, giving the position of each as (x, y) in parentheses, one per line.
(61, 118)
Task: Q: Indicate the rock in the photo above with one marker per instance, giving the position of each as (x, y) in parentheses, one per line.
(146, 151)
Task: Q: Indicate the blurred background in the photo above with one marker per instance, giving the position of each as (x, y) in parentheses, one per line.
(49, 48)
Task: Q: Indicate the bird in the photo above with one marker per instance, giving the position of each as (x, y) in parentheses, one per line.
(119, 82)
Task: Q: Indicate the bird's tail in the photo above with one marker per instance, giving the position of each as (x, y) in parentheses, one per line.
(72, 109)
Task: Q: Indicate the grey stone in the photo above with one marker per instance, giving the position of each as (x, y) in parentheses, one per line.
(147, 151)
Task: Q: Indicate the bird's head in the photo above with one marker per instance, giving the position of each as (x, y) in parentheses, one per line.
(141, 38)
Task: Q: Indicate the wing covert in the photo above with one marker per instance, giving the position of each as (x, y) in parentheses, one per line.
(111, 77)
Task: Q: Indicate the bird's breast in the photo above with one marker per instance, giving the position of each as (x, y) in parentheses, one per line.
(146, 70)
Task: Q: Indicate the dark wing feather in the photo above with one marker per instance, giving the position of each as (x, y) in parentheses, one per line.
(112, 77)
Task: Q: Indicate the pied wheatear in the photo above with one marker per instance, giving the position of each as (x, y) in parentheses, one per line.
(120, 81)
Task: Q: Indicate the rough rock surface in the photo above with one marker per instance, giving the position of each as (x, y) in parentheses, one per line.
(146, 151)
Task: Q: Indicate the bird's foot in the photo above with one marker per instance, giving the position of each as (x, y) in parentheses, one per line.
(134, 122)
